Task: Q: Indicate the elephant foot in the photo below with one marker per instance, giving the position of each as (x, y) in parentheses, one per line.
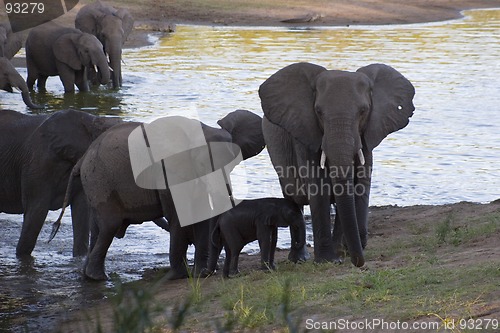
(299, 255)
(203, 273)
(176, 275)
(95, 275)
(232, 274)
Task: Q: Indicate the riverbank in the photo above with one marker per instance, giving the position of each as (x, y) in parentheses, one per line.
(425, 264)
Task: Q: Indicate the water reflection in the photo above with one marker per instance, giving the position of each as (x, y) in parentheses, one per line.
(449, 152)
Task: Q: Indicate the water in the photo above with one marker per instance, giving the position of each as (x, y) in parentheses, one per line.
(448, 153)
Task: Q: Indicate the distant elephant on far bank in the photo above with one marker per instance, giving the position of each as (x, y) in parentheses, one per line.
(10, 43)
(321, 127)
(10, 78)
(67, 52)
(115, 199)
(112, 27)
(37, 154)
(252, 220)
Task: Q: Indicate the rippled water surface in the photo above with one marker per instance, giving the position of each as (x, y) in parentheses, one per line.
(448, 153)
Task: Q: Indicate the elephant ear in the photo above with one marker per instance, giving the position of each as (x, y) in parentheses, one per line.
(127, 21)
(392, 103)
(287, 99)
(69, 133)
(65, 50)
(245, 128)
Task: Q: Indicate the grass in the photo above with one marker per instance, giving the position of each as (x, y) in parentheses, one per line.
(418, 279)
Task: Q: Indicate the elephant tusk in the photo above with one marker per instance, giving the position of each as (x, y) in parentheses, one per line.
(322, 160)
(361, 157)
(210, 201)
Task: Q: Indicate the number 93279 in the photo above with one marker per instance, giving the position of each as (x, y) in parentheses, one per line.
(24, 7)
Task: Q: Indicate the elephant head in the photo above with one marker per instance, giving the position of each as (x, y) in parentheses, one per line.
(10, 78)
(10, 43)
(79, 50)
(112, 27)
(339, 117)
(288, 214)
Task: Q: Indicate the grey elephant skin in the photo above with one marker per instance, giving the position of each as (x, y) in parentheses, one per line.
(10, 78)
(10, 43)
(38, 153)
(320, 127)
(252, 220)
(112, 27)
(53, 50)
(116, 200)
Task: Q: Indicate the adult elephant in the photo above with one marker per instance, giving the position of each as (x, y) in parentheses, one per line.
(112, 27)
(116, 200)
(10, 43)
(10, 78)
(55, 50)
(320, 128)
(38, 153)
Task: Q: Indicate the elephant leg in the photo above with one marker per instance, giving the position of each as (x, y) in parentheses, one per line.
(41, 83)
(235, 256)
(227, 262)
(272, 250)
(34, 217)
(338, 247)
(178, 248)
(265, 248)
(108, 226)
(299, 254)
(322, 234)
(81, 80)
(67, 77)
(80, 220)
(201, 253)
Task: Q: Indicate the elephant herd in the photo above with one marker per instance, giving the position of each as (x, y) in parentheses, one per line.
(89, 54)
(320, 127)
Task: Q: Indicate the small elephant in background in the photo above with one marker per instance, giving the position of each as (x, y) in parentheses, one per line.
(252, 220)
(10, 78)
(112, 27)
(55, 50)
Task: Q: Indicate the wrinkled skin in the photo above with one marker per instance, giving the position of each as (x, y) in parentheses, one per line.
(116, 200)
(10, 78)
(309, 110)
(10, 43)
(252, 220)
(55, 50)
(38, 153)
(112, 27)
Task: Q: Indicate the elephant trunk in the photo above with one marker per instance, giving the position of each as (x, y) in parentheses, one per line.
(103, 71)
(115, 57)
(17, 81)
(340, 147)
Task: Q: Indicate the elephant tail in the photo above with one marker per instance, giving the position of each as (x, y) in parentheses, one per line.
(74, 172)
(215, 237)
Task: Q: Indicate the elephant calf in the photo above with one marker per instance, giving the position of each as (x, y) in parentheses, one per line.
(55, 50)
(252, 220)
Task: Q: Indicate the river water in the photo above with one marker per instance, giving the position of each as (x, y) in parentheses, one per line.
(448, 153)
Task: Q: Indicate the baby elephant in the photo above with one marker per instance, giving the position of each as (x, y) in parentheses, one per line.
(257, 219)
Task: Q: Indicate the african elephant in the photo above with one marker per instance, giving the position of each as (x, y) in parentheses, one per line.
(112, 27)
(116, 200)
(10, 43)
(10, 78)
(320, 128)
(251, 220)
(55, 50)
(37, 154)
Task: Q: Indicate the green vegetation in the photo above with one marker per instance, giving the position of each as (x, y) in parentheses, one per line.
(421, 276)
